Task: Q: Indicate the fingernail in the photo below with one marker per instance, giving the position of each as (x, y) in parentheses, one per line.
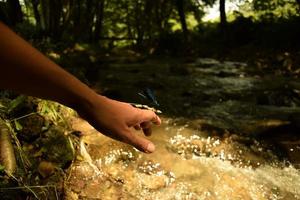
(150, 148)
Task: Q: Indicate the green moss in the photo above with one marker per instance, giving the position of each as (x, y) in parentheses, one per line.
(56, 147)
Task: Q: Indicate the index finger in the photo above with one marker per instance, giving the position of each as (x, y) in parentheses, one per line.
(148, 115)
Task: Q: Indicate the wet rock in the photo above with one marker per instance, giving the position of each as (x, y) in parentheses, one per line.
(153, 176)
(7, 154)
(86, 183)
(248, 118)
(112, 152)
(69, 195)
(225, 69)
(46, 169)
(115, 171)
(153, 182)
(207, 62)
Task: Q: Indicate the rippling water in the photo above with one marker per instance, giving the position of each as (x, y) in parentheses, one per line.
(188, 164)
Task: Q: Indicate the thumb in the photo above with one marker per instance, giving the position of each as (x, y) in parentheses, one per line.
(141, 143)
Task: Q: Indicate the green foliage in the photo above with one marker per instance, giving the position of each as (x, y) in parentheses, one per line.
(56, 147)
(270, 10)
(15, 103)
(55, 112)
(3, 108)
(149, 24)
(269, 4)
(89, 20)
(50, 110)
(18, 126)
(27, 30)
(2, 168)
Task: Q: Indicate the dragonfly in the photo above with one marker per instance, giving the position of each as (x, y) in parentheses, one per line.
(148, 94)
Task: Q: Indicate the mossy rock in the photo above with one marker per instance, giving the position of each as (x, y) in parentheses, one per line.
(56, 147)
(29, 128)
(21, 106)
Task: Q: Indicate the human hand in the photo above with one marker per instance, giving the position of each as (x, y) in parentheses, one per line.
(34, 74)
(115, 120)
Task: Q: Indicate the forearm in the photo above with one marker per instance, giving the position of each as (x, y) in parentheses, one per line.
(25, 70)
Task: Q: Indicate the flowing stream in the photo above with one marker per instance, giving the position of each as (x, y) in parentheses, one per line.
(227, 133)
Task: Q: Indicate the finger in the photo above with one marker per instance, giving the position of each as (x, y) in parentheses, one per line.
(148, 115)
(140, 143)
(146, 126)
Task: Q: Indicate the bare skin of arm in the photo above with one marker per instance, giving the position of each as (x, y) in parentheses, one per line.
(25, 70)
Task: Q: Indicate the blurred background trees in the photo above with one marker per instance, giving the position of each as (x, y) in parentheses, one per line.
(155, 23)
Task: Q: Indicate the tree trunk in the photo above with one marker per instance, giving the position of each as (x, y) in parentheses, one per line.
(148, 18)
(88, 21)
(223, 19)
(45, 15)
(180, 10)
(77, 18)
(298, 1)
(55, 10)
(99, 20)
(14, 12)
(138, 22)
(36, 13)
(158, 17)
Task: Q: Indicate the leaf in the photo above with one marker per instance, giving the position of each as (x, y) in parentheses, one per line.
(3, 108)
(2, 168)
(18, 126)
(1, 105)
(15, 103)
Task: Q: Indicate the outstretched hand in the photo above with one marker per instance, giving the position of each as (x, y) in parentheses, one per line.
(34, 74)
(115, 120)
